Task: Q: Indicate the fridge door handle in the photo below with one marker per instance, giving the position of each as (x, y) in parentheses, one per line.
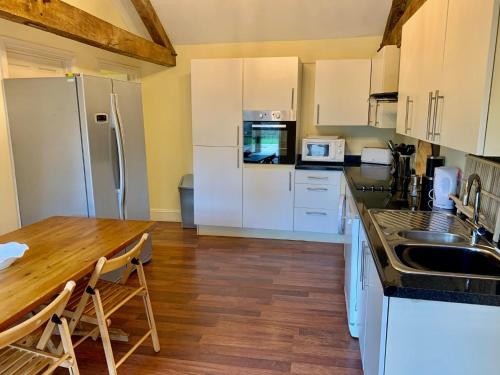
(121, 157)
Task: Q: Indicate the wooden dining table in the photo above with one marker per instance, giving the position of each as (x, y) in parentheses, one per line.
(60, 249)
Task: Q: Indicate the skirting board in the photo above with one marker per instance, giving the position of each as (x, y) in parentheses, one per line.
(160, 214)
(206, 230)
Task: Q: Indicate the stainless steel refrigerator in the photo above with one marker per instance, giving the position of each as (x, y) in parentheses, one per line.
(78, 147)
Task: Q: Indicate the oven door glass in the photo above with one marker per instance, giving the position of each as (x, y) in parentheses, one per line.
(318, 150)
(269, 143)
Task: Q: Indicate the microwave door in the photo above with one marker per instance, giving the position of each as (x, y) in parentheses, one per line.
(318, 150)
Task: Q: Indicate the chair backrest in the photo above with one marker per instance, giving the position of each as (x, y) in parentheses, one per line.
(108, 265)
(56, 307)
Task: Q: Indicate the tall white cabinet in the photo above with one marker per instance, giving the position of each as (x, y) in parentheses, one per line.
(341, 92)
(448, 80)
(216, 92)
(271, 83)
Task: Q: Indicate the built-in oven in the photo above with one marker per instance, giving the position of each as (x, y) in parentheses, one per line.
(269, 137)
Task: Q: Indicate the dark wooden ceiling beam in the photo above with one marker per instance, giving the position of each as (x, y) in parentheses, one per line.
(153, 24)
(60, 18)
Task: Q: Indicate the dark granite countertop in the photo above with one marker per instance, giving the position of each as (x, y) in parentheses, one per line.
(404, 285)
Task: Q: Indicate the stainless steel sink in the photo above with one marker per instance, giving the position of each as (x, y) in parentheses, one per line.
(434, 243)
(436, 237)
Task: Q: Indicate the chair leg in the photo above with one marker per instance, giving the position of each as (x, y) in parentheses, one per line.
(68, 346)
(151, 321)
(103, 328)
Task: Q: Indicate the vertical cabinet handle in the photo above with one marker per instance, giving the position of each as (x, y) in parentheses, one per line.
(238, 135)
(434, 122)
(408, 101)
(317, 114)
(293, 96)
(362, 266)
(376, 114)
(238, 158)
(289, 181)
(429, 111)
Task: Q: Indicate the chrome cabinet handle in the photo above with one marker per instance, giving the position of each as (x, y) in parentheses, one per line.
(434, 123)
(376, 114)
(238, 135)
(408, 101)
(317, 114)
(362, 267)
(238, 158)
(289, 181)
(317, 189)
(319, 213)
(293, 96)
(369, 112)
(429, 111)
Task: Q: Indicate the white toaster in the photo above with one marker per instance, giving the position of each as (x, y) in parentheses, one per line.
(375, 155)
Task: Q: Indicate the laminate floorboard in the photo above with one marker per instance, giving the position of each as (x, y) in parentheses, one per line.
(230, 306)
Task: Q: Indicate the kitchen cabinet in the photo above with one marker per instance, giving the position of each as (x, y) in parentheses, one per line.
(218, 186)
(341, 91)
(385, 70)
(268, 196)
(271, 83)
(465, 93)
(447, 83)
(216, 92)
(382, 114)
(319, 201)
(422, 47)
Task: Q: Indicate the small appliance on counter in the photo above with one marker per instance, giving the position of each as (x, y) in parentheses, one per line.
(323, 149)
(445, 183)
(432, 163)
(376, 155)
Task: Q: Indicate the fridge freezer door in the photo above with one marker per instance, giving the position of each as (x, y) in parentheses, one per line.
(99, 145)
(129, 104)
(46, 143)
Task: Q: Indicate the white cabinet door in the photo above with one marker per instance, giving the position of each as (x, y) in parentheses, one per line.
(268, 197)
(270, 83)
(216, 94)
(341, 92)
(217, 186)
(375, 319)
(362, 292)
(468, 65)
(385, 70)
(422, 49)
(382, 114)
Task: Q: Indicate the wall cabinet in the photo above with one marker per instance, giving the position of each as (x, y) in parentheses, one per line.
(216, 92)
(342, 88)
(382, 114)
(447, 79)
(268, 197)
(218, 186)
(385, 70)
(271, 83)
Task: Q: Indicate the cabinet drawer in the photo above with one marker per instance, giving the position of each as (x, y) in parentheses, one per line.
(317, 196)
(315, 220)
(317, 177)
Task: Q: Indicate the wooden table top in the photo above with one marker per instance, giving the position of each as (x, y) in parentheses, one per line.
(60, 249)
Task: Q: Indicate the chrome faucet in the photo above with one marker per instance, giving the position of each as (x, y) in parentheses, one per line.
(478, 230)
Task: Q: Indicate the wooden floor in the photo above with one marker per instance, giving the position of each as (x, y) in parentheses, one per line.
(237, 306)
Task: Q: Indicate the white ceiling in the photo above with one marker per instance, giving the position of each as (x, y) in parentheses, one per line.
(217, 21)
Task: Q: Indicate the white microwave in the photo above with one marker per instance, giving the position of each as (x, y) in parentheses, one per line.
(326, 149)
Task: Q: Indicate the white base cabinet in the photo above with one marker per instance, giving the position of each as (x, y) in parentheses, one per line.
(218, 186)
(268, 197)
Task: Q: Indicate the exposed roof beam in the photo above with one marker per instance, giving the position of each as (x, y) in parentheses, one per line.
(60, 18)
(153, 23)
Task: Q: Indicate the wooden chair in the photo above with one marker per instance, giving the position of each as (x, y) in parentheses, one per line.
(108, 297)
(16, 359)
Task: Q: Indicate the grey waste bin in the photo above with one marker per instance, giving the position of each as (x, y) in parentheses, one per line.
(187, 201)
